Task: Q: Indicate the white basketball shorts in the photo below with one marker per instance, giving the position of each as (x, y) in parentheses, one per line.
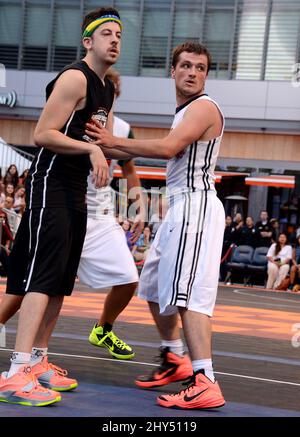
(182, 267)
(106, 259)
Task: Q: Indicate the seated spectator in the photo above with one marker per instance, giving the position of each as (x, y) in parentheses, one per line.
(19, 201)
(238, 223)
(295, 269)
(248, 233)
(126, 225)
(142, 246)
(11, 175)
(264, 230)
(279, 256)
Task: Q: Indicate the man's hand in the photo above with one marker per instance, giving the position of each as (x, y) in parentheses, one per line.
(137, 227)
(102, 136)
(100, 176)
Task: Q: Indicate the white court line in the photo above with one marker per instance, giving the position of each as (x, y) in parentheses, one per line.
(237, 291)
(157, 365)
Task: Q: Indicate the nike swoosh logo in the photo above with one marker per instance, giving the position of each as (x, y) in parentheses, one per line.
(165, 374)
(191, 398)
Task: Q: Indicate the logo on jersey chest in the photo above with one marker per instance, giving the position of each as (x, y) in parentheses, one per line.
(100, 116)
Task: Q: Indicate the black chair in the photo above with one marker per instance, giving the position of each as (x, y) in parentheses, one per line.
(259, 265)
(241, 258)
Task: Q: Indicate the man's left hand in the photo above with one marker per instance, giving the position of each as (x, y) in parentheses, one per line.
(137, 227)
(102, 136)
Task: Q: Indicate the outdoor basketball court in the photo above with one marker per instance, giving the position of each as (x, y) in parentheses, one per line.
(256, 363)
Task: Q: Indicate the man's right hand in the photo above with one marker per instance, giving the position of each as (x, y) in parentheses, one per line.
(100, 172)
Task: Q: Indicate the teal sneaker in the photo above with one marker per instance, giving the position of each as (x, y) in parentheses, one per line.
(117, 347)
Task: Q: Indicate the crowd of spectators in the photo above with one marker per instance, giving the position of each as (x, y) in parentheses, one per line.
(282, 253)
(282, 256)
(12, 206)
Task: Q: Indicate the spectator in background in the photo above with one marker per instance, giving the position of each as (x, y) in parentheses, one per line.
(23, 176)
(9, 190)
(248, 233)
(229, 233)
(264, 230)
(11, 175)
(19, 201)
(279, 257)
(274, 222)
(238, 223)
(126, 227)
(3, 260)
(157, 217)
(295, 269)
(142, 246)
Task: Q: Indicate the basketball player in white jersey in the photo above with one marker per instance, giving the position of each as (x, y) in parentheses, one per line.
(181, 271)
(106, 260)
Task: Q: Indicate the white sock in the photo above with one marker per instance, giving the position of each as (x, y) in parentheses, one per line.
(37, 354)
(175, 346)
(206, 365)
(18, 360)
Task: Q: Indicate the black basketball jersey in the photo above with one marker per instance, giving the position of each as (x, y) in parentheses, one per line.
(59, 180)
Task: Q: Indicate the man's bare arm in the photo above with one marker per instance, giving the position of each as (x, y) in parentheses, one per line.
(68, 93)
(201, 117)
(69, 90)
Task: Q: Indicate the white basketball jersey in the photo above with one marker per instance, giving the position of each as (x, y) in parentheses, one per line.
(101, 201)
(193, 168)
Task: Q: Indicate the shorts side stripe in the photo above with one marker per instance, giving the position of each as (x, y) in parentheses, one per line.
(182, 234)
(35, 249)
(182, 245)
(197, 247)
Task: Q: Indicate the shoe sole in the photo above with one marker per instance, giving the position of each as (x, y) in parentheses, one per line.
(58, 388)
(119, 357)
(32, 404)
(162, 382)
(187, 406)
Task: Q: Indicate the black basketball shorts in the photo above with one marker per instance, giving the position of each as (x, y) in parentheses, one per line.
(46, 252)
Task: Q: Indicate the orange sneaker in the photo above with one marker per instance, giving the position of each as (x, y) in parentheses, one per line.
(200, 394)
(53, 377)
(173, 368)
(23, 388)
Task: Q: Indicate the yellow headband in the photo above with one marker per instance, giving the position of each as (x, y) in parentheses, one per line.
(89, 30)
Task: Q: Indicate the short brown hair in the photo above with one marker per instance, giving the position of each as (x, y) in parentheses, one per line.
(97, 13)
(114, 76)
(191, 47)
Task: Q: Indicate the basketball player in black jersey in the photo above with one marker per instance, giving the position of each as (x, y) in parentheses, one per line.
(46, 253)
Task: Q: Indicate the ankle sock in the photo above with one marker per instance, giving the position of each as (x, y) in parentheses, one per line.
(18, 360)
(37, 354)
(205, 365)
(175, 346)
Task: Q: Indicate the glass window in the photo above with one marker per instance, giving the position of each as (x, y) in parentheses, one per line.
(218, 33)
(129, 59)
(154, 44)
(37, 27)
(10, 31)
(251, 40)
(67, 36)
(283, 39)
